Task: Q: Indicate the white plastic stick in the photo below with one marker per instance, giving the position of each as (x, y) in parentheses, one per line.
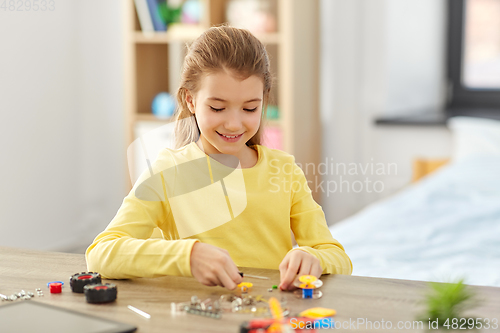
(139, 312)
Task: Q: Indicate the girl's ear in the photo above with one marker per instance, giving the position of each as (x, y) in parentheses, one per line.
(190, 102)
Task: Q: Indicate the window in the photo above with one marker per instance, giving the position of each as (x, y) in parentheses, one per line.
(474, 57)
(481, 67)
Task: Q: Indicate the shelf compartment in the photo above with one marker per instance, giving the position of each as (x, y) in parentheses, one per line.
(152, 74)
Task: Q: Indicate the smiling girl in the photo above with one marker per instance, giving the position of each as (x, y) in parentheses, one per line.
(220, 198)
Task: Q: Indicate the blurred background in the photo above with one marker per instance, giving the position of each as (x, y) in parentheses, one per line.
(364, 91)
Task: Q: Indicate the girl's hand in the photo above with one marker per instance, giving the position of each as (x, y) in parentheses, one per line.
(298, 263)
(212, 266)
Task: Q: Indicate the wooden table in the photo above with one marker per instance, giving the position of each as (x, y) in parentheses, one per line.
(353, 297)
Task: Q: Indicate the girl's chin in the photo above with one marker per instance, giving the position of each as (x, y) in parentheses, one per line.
(229, 148)
(232, 150)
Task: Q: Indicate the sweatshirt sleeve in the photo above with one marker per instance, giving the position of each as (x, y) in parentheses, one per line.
(311, 232)
(123, 250)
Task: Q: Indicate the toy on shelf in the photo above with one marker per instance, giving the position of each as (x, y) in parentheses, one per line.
(191, 12)
(308, 284)
(163, 105)
(273, 112)
(170, 12)
(254, 15)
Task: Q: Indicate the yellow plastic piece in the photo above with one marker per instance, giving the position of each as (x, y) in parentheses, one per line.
(307, 281)
(275, 307)
(316, 313)
(245, 286)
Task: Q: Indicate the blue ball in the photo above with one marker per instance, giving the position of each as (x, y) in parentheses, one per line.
(163, 105)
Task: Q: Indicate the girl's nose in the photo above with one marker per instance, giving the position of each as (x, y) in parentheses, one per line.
(233, 122)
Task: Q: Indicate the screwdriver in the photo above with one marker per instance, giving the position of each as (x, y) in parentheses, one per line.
(253, 276)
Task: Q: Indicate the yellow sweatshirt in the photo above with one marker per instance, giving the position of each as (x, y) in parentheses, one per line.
(192, 197)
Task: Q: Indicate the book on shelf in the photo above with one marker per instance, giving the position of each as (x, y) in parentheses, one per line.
(145, 20)
(149, 13)
(154, 10)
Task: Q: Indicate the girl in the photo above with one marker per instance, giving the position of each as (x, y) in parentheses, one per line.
(220, 199)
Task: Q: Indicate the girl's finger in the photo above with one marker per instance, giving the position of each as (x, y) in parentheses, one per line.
(284, 266)
(291, 272)
(217, 281)
(209, 283)
(231, 279)
(317, 270)
(305, 267)
(226, 281)
(231, 276)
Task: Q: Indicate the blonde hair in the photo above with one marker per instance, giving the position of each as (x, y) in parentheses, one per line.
(217, 49)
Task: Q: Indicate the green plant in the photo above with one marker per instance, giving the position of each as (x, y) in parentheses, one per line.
(170, 13)
(446, 304)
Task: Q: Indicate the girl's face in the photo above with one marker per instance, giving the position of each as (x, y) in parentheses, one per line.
(228, 111)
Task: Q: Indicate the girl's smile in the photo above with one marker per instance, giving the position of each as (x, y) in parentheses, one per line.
(230, 138)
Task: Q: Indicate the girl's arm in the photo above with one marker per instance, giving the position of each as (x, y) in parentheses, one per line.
(311, 232)
(124, 249)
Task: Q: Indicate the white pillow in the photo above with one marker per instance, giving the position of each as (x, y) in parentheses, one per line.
(473, 137)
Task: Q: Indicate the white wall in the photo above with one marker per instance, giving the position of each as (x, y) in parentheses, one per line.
(415, 55)
(102, 121)
(61, 106)
(379, 57)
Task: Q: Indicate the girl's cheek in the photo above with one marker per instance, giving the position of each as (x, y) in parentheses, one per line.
(214, 120)
(256, 119)
(209, 119)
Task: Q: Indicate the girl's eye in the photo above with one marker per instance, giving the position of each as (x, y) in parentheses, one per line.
(218, 110)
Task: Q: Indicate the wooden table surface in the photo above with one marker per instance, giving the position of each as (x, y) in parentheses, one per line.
(354, 298)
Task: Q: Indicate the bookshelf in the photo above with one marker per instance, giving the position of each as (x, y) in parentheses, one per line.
(153, 62)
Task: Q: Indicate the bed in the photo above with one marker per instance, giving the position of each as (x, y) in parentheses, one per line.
(445, 226)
